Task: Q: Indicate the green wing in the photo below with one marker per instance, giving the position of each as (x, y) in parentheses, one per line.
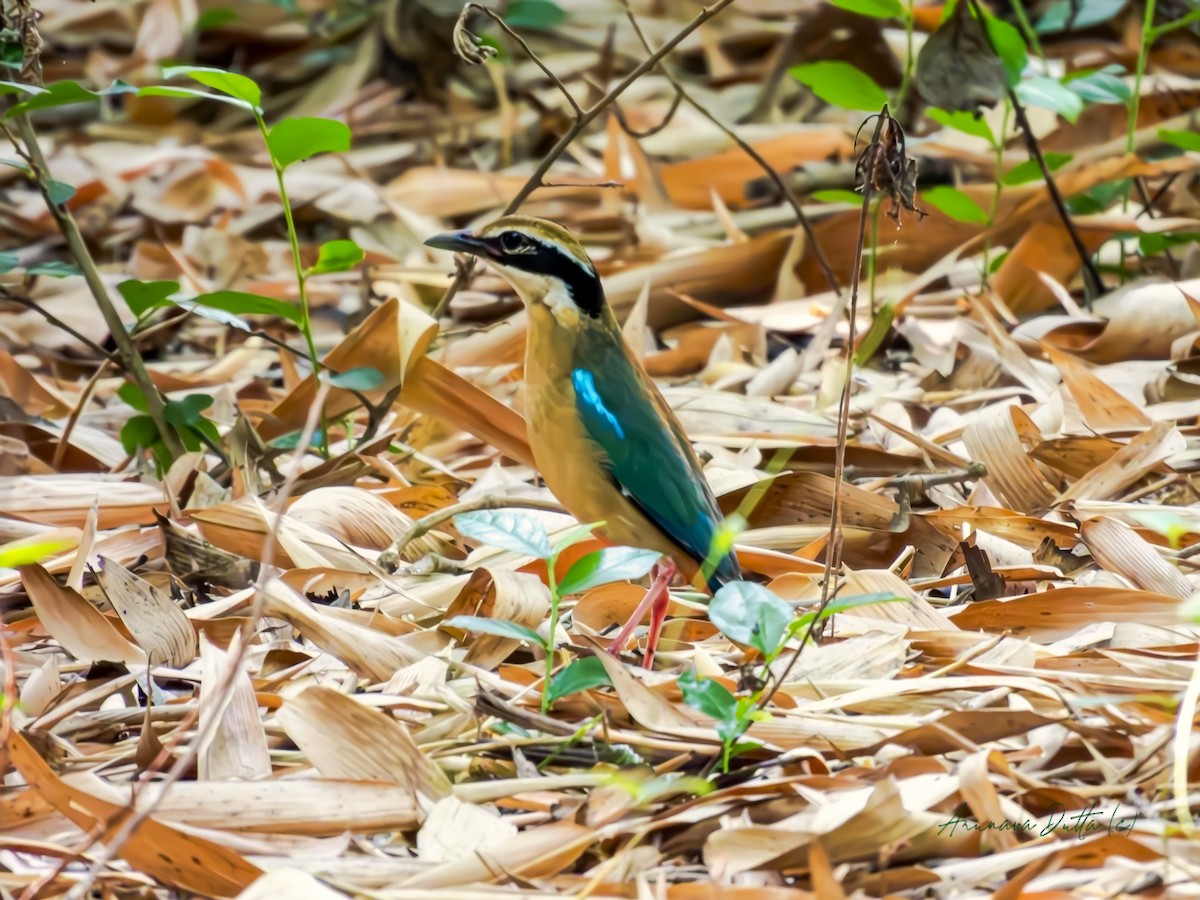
(649, 458)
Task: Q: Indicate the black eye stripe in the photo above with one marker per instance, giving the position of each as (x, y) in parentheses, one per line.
(582, 281)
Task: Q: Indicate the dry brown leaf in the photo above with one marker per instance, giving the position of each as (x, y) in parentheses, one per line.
(159, 626)
(84, 631)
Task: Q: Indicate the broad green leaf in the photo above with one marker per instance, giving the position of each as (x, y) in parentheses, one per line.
(295, 139)
(581, 675)
(964, 122)
(879, 9)
(1099, 198)
(139, 432)
(215, 18)
(497, 627)
(537, 15)
(17, 164)
(1029, 170)
(132, 394)
(708, 696)
(19, 87)
(241, 303)
(186, 412)
(1150, 244)
(1185, 140)
(507, 531)
(750, 614)
(1049, 93)
(1103, 86)
(157, 90)
(230, 83)
(143, 296)
(362, 378)
(61, 93)
(837, 195)
(26, 551)
(337, 256)
(606, 566)
(1077, 15)
(60, 192)
(841, 84)
(955, 204)
(1010, 47)
(8, 262)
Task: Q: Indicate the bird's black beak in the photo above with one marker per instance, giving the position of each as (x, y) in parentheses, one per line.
(458, 242)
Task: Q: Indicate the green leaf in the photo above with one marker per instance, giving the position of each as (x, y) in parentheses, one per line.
(964, 122)
(507, 531)
(749, 613)
(230, 83)
(841, 605)
(139, 433)
(143, 296)
(8, 262)
(581, 675)
(1010, 47)
(1150, 244)
(25, 551)
(361, 378)
(291, 440)
(186, 412)
(837, 195)
(955, 204)
(708, 696)
(158, 90)
(1102, 86)
(54, 268)
(606, 566)
(881, 325)
(61, 93)
(1171, 526)
(1029, 170)
(497, 627)
(16, 164)
(879, 9)
(241, 303)
(841, 84)
(295, 139)
(1185, 140)
(214, 18)
(537, 15)
(1078, 15)
(337, 256)
(132, 395)
(1049, 93)
(60, 192)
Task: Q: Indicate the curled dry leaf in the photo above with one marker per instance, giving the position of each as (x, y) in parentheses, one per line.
(504, 596)
(84, 631)
(159, 626)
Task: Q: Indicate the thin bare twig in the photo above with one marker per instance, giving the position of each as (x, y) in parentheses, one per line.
(833, 550)
(779, 183)
(577, 127)
(58, 323)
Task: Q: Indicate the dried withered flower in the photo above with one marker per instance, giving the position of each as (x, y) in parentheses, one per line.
(468, 46)
(886, 167)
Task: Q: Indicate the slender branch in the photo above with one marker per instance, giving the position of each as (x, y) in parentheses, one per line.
(833, 550)
(779, 183)
(577, 127)
(130, 357)
(495, 17)
(58, 323)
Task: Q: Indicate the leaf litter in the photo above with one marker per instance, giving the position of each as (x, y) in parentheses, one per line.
(340, 641)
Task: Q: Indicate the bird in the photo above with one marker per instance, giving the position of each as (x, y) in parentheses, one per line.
(605, 441)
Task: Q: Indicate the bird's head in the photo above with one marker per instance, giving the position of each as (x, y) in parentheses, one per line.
(543, 262)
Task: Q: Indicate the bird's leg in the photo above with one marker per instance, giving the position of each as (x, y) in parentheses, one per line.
(657, 599)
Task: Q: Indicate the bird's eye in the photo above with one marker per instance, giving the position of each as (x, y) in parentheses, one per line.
(513, 242)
